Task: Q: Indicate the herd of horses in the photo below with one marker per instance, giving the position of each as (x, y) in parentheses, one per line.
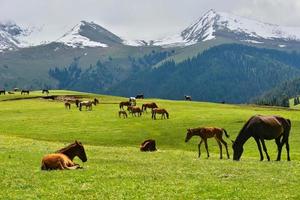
(88, 104)
(3, 91)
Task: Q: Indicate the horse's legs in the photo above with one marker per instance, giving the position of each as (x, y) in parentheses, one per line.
(287, 145)
(225, 144)
(265, 148)
(199, 145)
(206, 147)
(259, 148)
(279, 148)
(220, 147)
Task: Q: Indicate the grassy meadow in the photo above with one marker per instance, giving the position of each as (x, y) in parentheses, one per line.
(116, 169)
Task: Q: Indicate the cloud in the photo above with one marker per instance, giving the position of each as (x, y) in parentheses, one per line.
(141, 18)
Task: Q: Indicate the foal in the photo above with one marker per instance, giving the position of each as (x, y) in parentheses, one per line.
(122, 112)
(204, 134)
(68, 105)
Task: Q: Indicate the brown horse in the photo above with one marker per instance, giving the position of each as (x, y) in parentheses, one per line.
(161, 111)
(63, 158)
(25, 92)
(134, 109)
(122, 112)
(96, 101)
(124, 103)
(188, 98)
(148, 145)
(205, 133)
(148, 105)
(261, 128)
(88, 105)
(68, 105)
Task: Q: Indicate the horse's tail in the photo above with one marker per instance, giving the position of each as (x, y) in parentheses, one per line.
(167, 114)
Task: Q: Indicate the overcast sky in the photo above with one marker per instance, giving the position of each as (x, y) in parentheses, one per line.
(141, 19)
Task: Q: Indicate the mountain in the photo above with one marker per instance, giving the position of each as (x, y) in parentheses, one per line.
(89, 34)
(220, 24)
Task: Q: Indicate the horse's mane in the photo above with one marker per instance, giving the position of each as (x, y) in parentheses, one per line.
(66, 148)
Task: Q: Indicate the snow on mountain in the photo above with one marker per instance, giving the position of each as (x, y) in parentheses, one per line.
(74, 39)
(213, 24)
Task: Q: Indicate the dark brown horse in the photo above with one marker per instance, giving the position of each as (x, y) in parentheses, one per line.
(25, 92)
(263, 128)
(2, 92)
(205, 133)
(96, 101)
(148, 105)
(63, 158)
(139, 96)
(45, 91)
(188, 98)
(161, 111)
(148, 145)
(124, 103)
(68, 105)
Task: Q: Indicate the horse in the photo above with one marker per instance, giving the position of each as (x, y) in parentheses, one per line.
(45, 91)
(148, 105)
(68, 105)
(134, 109)
(124, 103)
(88, 105)
(208, 132)
(188, 98)
(139, 96)
(122, 112)
(63, 158)
(260, 128)
(2, 92)
(161, 111)
(9, 92)
(148, 145)
(25, 92)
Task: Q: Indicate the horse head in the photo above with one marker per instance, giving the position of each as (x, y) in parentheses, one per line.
(237, 150)
(189, 134)
(80, 151)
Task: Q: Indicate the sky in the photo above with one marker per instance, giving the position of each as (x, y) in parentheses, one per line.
(140, 19)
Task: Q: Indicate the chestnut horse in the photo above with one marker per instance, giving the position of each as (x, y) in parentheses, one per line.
(261, 128)
(205, 133)
(134, 109)
(124, 103)
(148, 105)
(161, 111)
(63, 158)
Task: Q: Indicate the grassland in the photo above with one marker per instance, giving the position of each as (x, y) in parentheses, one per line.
(116, 169)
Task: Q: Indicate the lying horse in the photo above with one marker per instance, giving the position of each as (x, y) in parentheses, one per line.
(124, 103)
(148, 145)
(25, 92)
(2, 92)
(204, 134)
(161, 111)
(63, 158)
(261, 128)
(148, 105)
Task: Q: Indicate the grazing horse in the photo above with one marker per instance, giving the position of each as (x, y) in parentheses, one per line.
(68, 105)
(96, 101)
(88, 105)
(134, 109)
(205, 133)
(124, 103)
(261, 128)
(148, 145)
(148, 105)
(139, 96)
(63, 158)
(188, 98)
(2, 92)
(25, 92)
(161, 111)
(45, 91)
(122, 112)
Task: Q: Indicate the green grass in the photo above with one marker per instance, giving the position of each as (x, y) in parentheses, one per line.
(117, 170)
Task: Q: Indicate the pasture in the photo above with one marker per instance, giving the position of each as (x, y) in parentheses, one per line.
(116, 169)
